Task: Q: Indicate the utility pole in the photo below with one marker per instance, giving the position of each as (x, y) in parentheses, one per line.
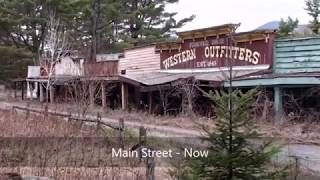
(231, 42)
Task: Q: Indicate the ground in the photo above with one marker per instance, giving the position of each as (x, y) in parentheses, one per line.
(292, 132)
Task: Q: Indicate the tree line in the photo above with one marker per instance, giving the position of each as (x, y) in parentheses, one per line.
(288, 26)
(92, 26)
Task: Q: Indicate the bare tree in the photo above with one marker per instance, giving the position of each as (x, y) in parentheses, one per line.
(165, 93)
(83, 94)
(189, 90)
(56, 46)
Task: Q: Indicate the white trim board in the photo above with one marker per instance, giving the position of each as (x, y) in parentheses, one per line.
(204, 70)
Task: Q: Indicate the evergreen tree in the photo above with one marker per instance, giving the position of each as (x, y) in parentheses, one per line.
(232, 154)
(286, 27)
(146, 21)
(14, 62)
(313, 9)
(23, 22)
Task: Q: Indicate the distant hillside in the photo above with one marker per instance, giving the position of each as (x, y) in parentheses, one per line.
(301, 30)
(270, 25)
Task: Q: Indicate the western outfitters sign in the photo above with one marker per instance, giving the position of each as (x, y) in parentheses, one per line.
(215, 52)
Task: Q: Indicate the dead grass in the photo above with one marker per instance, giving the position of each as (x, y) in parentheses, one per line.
(17, 125)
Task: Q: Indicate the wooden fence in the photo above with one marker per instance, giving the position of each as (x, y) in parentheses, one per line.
(149, 161)
(69, 116)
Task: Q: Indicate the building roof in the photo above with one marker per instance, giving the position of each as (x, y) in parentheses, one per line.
(292, 79)
(206, 32)
(158, 78)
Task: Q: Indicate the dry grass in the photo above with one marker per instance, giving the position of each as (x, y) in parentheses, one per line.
(293, 131)
(17, 125)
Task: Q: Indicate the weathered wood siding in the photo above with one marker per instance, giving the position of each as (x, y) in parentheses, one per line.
(140, 60)
(67, 66)
(107, 68)
(297, 55)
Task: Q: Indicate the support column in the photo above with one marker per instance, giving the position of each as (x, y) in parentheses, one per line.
(150, 102)
(91, 95)
(103, 95)
(30, 90)
(124, 95)
(137, 93)
(278, 104)
(52, 94)
(22, 90)
(15, 90)
(41, 92)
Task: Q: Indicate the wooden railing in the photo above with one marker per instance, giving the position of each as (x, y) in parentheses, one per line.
(109, 68)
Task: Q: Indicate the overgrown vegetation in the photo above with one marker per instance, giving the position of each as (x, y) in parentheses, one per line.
(232, 152)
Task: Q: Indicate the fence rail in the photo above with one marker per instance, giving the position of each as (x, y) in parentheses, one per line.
(46, 112)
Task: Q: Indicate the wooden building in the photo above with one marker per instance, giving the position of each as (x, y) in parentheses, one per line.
(203, 55)
(296, 67)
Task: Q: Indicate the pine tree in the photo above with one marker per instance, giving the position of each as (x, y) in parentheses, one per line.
(146, 21)
(13, 62)
(232, 153)
(286, 27)
(23, 23)
(313, 9)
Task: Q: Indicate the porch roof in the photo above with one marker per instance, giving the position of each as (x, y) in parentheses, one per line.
(292, 79)
(159, 78)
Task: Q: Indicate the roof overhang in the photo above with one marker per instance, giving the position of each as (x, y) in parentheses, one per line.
(207, 32)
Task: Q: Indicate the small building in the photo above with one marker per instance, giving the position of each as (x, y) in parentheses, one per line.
(295, 77)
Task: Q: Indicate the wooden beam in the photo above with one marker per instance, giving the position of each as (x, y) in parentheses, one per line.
(124, 95)
(278, 104)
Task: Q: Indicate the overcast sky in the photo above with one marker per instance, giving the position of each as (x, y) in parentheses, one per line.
(250, 13)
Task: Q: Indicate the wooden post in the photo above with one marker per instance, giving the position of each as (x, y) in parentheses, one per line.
(98, 120)
(28, 111)
(137, 93)
(278, 104)
(121, 132)
(30, 90)
(150, 166)
(22, 90)
(69, 117)
(15, 90)
(124, 95)
(41, 92)
(142, 136)
(46, 112)
(150, 102)
(103, 95)
(52, 91)
(91, 94)
(150, 161)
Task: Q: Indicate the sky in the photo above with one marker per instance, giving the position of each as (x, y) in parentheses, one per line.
(250, 13)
